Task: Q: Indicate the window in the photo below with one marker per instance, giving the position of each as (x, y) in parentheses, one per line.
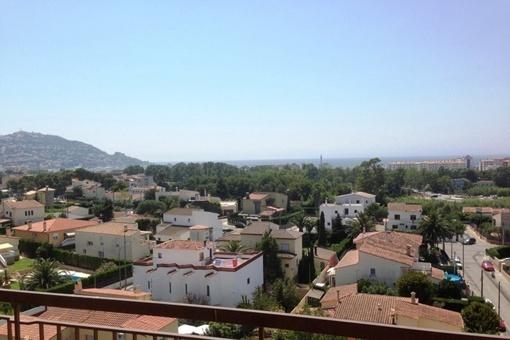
(175, 219)
(248, 281)
(329, 223)
(90, 243)
(286, 265)
(413, 217)
(25, 213)
(355, 211)
(336, 211)
(201, 256)
(189, 220)
(394, 226)
(100, 254)
(84, 251)
(346, 211)
(148, 285)
(170, 287)
(208, 291)
(160, 255)
(357, 201)
(55, 236)
(284, 247)
(372, 271)
(413, 227)
(185, 288)
(397, 217)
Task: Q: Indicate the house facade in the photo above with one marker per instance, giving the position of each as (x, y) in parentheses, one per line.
(189, 217)
(46, 196)
(113, 240)
(290, 243)
(264, 203)
(403, 216)
(345, 206)
(191, 271)
(57, 232)
(21, 212)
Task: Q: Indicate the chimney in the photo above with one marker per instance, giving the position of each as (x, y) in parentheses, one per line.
(29, 223)
(234, 262)
(408, 250)
(379, 306)
(78, 287)
(44, 226)
(413, 298)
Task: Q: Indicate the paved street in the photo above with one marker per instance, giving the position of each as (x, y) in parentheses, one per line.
(473, 256)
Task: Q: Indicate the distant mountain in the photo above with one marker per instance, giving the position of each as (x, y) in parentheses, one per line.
(36, 151)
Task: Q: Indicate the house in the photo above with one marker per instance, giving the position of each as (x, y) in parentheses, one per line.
(182, 194)
(46, 196)
(76, 212)
(403, 216)
(57, 232)
(344, 302)
(265, 204)
(189, 217)
(20, 212)
(383, 256)
(290, 243)
(30, 195)
(228, 207)
(111, 293)
(324, 258)
(434, 165)
(191, 271)
(90, 189)
(345, 206)
(113, 240)
(502, 220)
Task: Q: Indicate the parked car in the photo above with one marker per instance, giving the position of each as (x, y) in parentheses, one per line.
(469, 240)
(487, 266)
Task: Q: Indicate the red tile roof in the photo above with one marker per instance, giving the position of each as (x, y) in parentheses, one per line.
(349, 259)
(257, 196)
(31, 331)
(397, 206)
(56, 225)
(25, 204)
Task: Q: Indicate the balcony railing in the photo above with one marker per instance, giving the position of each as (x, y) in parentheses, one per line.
(259, 319)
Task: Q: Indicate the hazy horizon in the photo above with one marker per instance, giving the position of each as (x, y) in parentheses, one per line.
(194, 81)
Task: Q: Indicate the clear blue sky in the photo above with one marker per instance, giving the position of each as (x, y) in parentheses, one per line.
(226, 80)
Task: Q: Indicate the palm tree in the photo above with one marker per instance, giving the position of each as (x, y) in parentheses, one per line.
(233, 246)
(433, 229)
(45, 274)
(362, 223)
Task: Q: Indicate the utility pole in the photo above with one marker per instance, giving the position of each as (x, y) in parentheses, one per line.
(463, 267)
(125, 257)
(481, 280)
(499, 298)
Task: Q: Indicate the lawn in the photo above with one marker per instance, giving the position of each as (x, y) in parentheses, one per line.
(22, 265)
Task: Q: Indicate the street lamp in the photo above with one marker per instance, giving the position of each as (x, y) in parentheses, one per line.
(125, 257)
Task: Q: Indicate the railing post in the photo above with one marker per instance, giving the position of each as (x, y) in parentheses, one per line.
(41, 331)
(96, 334)
(17, 326)
(77, 333)
(59, 332)
(261, 333)
(135, 336)
(9, 329)
(114, 335)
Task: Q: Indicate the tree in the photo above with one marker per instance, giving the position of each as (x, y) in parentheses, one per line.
(369, 286)
(432, 228)
(306, 267)
(233, 246)
(480, 318)
(450, 290)
(272, 263)
(150, 194)
(45, 274)
(285, 293)
(502, 177)
(44, 251)
(415, 282)
(377, 212)
(321, 231)
(151, 207)
(134, 170)
(103, 210)
(362, 223)
(370, 176)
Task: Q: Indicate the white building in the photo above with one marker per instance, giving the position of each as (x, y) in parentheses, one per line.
(113, 240)
(433, 165)
(191, 271)
(189, 217)
(182, 194)
(21, 212)
(383, 256)
(345, 206)
(403, 216)
(491, 164)
(91, 189)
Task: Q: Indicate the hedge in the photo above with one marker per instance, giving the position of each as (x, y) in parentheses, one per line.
(456, 305)
(500, 252)
(29, 249)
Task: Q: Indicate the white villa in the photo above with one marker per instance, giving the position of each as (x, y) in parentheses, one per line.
(188, 222)
(403, 216)
(345, 206)
(191, 271)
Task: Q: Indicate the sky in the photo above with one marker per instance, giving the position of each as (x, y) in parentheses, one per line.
(234, 80)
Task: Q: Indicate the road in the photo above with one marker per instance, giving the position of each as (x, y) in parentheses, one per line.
(473, 256)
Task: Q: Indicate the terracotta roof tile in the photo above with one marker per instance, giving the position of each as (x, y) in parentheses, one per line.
(182, 211)
(181, 244)
(349, 259)
(330, 299)
(397, 206)
(25, 204)
(56, 224)
(112, 228)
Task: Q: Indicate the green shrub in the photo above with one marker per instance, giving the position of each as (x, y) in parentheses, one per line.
(500, 252)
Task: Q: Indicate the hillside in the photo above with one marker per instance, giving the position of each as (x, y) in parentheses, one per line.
(36, 151)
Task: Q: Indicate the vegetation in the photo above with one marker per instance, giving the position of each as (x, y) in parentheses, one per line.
(45, 274)
(151, 207)
(306, 267)
(285, 293)
(480, 318)
(375, 287)
(233, 246)
(415, 282)
(272, 263)
(500, 252)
